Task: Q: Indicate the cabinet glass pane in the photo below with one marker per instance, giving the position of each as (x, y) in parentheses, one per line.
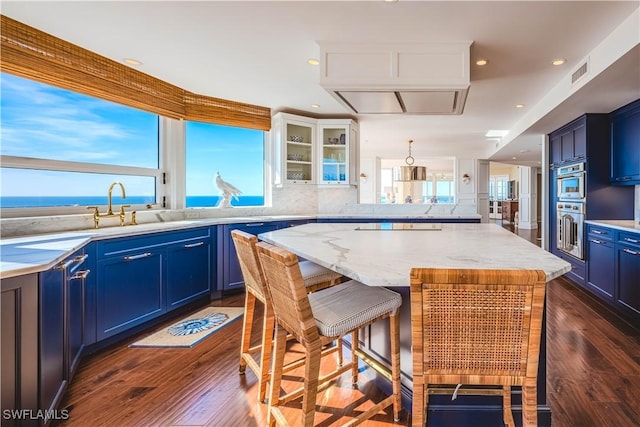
(299, 152)
(334, 155)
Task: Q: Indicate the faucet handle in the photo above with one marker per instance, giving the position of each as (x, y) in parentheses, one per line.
(121, 214)
(96, 215)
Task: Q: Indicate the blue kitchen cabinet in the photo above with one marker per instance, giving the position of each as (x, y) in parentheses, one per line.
(625, 145)
(628, 273)
(601, 266)
(569, 143)
(77, 272)
(52, 370)
(230, 276)
(614, 269)
(143, 277)
(130, 290)
(188, 271)
(61, 306)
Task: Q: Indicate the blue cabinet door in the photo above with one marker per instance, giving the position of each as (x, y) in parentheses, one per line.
(52, 338)
(231, 277)
(628, 273)
(76, 276)
(188, 271)
(130, 291)
(601, 269)
(625, 145)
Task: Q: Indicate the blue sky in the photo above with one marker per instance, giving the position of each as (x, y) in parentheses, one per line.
(46, 122)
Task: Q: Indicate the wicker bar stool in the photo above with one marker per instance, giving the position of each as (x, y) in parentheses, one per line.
(476, 327)
(315, 278)
(320, 317)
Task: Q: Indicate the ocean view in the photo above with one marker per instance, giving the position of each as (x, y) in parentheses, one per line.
(192, 201)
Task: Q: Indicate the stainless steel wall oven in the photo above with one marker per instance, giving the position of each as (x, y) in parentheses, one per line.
(570, 228)
(571, 182)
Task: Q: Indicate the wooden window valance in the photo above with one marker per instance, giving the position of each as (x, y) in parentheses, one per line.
(30, 53)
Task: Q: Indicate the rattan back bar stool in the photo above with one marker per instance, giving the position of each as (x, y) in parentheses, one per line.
(315, 277)
(321, 317)
(476, 327)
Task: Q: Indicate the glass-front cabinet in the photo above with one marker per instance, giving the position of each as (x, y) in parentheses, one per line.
(335, 142)
(294, 141)
(314, 151)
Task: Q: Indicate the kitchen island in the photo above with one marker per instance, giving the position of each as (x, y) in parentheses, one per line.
(383, 255)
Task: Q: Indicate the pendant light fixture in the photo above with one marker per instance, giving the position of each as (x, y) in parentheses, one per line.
(409, 172)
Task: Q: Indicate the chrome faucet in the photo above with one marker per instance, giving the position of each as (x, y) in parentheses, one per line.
(124, 196)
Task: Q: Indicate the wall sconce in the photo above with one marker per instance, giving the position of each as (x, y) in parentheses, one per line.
(363, 177)
(466, 179)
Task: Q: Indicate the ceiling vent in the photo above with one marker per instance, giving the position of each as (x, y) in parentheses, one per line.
(580, 72)
(407, 78)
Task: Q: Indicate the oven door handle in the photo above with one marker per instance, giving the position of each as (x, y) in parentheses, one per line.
(567, 236)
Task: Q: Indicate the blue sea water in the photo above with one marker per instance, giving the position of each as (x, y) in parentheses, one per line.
(192, 201)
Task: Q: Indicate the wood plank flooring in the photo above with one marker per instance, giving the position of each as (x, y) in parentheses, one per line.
(593, 377)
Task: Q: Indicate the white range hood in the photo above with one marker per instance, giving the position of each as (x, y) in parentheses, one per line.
(393, 78)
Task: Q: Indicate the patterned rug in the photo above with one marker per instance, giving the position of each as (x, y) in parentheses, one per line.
(192, 329)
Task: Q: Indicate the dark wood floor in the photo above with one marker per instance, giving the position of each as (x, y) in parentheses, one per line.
(593, 377)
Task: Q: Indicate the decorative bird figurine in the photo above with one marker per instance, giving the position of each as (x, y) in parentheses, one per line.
(228, 191)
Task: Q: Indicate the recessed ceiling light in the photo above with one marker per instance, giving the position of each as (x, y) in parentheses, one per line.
(481, 62)
(313, 61)
(315, 106)
(558, 61)
(519, 105)
(513, 158)
(389, 1)
(130, 61)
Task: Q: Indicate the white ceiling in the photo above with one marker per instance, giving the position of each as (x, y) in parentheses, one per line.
(257, 52)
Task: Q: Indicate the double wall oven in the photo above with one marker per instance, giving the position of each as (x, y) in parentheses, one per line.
(571, 208)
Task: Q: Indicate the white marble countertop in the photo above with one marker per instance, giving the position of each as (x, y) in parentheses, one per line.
(34, 253)
(620, 224)
(385, 258)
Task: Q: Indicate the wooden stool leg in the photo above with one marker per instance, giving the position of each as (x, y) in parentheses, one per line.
(247, 326)
(507, 415)
(529, 405)
(394, 327)
(311, 376)
(268, 325)
(276, 374)
(340, 356)
(354, 358)
(419, 410)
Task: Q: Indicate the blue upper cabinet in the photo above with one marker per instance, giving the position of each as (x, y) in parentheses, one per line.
(625, 145)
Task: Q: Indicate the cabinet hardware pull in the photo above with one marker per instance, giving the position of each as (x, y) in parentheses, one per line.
(628, 239)
(255, 224)
(596, 241)
(75, 260)
(629, 251)
(80, 275)
(193, 245)
(133, 257)
(597, 232)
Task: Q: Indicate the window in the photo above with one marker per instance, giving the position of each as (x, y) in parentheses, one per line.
(498, 186)
(238, 154)
(60, 148)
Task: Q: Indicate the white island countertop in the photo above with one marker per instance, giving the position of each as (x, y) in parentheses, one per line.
(385, 257)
